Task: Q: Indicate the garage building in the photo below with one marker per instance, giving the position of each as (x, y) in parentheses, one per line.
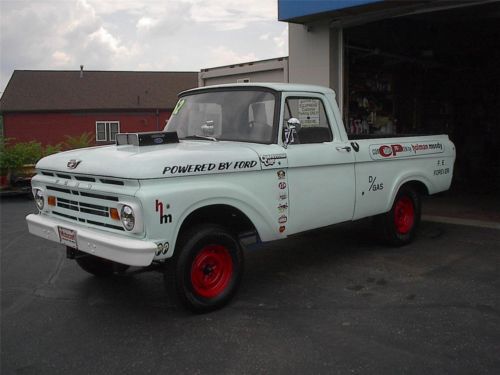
(413, 67)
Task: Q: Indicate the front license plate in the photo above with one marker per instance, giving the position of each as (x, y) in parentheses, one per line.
(67, 237)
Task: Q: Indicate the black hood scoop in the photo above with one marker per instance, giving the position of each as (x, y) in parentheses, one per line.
(146, 138)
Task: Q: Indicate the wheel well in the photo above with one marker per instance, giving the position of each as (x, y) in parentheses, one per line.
(419, 186)
(227, 216)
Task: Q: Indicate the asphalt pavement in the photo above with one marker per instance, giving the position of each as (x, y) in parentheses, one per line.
(333, 301)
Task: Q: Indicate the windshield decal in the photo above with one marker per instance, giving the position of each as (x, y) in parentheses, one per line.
(178, 106)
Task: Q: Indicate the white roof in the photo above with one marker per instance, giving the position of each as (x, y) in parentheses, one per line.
(273, 86)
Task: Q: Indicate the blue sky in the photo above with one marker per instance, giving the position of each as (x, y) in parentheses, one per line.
(137, 35)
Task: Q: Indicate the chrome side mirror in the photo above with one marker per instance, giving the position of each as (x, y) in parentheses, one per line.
(291, 129)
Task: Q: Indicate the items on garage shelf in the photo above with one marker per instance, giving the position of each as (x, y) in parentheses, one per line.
(371, 104)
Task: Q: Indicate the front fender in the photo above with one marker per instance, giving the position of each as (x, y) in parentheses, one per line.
(263, 224)
(168, 202)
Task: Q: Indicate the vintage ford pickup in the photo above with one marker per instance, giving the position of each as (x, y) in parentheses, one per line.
(235, 163)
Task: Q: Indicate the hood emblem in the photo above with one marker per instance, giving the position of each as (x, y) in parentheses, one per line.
(73, 163)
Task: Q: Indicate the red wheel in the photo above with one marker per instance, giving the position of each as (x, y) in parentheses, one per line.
(211, 271)
(404, 214)
(206, 270)
(398, 226)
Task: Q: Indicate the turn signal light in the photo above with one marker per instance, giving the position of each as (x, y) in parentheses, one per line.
(113, 212)
(51, 200)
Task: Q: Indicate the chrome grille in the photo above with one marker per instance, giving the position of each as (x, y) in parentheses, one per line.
(79, 204)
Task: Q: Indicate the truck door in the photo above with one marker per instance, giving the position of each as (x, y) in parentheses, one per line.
(320, 166)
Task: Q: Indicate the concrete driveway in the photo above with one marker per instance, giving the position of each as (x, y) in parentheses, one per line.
(331, 301)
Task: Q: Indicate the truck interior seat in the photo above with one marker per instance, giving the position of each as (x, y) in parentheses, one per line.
(314, 135)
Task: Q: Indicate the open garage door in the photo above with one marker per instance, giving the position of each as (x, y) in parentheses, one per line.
(437, 72)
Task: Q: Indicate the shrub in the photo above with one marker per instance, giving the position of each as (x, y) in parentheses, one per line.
(14, 155)
(52, 149)
(80, 141)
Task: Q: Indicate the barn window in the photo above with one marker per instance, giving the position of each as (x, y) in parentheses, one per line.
(106, 130)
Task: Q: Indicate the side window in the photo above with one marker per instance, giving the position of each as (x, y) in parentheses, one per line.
(315, 127)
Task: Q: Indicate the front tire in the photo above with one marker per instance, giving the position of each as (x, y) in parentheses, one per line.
(398, 227)
(206, 270)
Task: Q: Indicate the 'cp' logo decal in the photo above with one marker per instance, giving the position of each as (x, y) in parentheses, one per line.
(387, 151)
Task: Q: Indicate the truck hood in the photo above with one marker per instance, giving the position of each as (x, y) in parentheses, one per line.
(169, 160)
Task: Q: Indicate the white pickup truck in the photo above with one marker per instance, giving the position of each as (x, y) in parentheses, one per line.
(235, 163)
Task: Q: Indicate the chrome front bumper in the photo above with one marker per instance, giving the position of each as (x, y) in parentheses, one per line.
(120, 249)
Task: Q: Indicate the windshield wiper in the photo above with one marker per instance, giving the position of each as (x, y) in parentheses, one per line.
(196, 136)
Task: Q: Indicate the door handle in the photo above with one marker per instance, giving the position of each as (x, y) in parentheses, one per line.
(345, 148)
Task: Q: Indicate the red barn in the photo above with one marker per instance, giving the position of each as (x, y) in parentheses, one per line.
(46, 106)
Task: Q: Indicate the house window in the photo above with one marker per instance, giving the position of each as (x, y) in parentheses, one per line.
(106, 130)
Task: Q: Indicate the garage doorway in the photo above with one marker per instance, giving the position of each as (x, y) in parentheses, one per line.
(431, 73)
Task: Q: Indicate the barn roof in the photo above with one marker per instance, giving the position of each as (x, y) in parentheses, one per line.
(51, 90)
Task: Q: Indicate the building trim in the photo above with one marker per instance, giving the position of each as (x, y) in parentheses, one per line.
(402, 11)
(248, 68)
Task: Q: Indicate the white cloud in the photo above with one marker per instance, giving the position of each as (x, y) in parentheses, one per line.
(60, 58)
(281, 42)
(103, 36)
(232, 14)
(223, 55)
(137, 34)
(146, 23)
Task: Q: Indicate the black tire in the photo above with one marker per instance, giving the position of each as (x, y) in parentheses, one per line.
(399, 226)
(206, 270)
(98, 266)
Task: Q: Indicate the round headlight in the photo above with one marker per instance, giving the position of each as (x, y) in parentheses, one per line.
(39, 201)
(127, 217)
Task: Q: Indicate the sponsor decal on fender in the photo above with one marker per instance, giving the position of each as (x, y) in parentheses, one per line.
(441, 171)
(164, 218)
(269, 160)
(162, 248)
(405, 150)
(282, 207)
(283, 199)
(374, 185)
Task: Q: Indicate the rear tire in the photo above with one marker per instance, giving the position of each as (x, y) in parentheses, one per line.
(98, 266)
(206, 270)
(398, 227)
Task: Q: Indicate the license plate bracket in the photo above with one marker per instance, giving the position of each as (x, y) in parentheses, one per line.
(67, 237)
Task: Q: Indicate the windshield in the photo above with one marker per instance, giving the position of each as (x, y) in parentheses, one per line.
(235, 115)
